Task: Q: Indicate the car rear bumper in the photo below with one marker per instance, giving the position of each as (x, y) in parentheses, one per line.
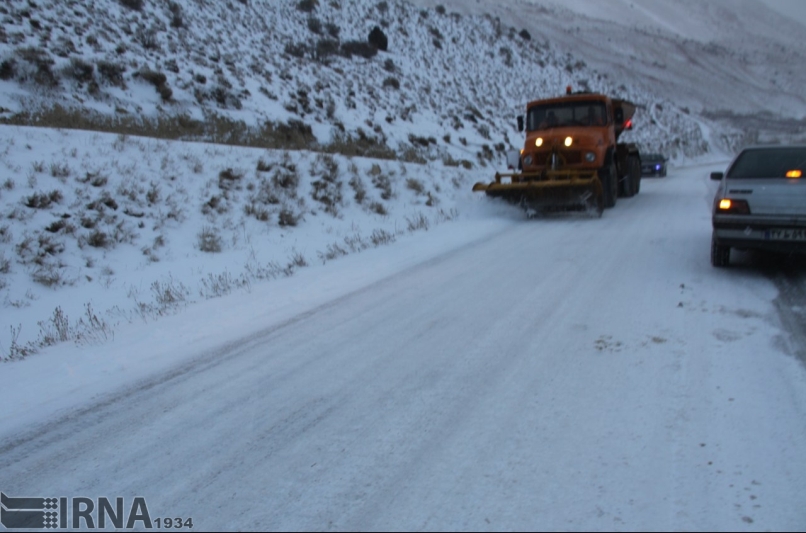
(783, 234)
(651, 171)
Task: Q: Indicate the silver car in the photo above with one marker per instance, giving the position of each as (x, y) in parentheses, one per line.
(761, 202)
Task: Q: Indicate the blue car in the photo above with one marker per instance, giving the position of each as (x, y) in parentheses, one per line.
(653, 165)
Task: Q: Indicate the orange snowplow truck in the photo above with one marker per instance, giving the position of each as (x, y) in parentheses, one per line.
(571, 159)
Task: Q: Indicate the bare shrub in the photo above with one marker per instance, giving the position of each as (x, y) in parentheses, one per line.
(111, 72)
(229, 179)
(384, 184)
(90, 329)
(42, 200)
(315, 25)
(153, 77)
(333, 251)
(298, 50)
(391, 82)
(42, 73)
(18, 351)
(54, 330)
(256, 210)
(415, 185)
(57, 225)
(378, 208)
(332, 30)
(215, 286)
(169, 294)
(380, 237)
(38, 249)
(136, 5)
(358, 188)
(165, 92)
(5, 265)
(209, 240)
(8, 69)
(99, 239)
(177, 18)
(264, 166)
(307, 6)
(327, 189)
(326, 48)
(80, 70)
(287, 217)
(287, 178)
(58, 170)
(103, 202)
(358, 48)
(298, 260)
(50, 275)
(417, 223)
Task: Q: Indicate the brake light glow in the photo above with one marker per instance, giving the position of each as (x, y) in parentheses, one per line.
(793, 174)
(734, 207)
(628, 124)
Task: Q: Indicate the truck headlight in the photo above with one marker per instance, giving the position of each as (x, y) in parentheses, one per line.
(590, 157)
(539, 142)
(569, 141)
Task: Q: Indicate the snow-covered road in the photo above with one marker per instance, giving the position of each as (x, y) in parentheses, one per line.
(566, 373)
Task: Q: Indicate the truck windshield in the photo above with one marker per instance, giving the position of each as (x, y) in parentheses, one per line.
(768, 162)
(541, 117)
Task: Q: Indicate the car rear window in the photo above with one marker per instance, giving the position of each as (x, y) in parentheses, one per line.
(768, 162)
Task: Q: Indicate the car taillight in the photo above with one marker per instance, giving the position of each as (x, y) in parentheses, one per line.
(728, 206)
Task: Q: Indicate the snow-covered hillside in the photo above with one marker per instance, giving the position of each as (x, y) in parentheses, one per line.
(447, 86)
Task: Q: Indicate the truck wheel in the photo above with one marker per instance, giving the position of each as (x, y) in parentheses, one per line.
(720, 255)
(627, 188)
(609, 180)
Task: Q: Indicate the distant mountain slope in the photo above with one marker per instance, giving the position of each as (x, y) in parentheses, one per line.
(720, 55)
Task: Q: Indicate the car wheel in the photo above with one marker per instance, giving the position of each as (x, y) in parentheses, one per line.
(720, 255)
(636, 173)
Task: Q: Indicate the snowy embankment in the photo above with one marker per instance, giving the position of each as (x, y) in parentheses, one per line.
(101, 229)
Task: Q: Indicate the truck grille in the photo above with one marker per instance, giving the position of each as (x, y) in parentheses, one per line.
(571, 157)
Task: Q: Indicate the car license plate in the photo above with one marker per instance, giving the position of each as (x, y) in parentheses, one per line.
(795, 234)
(506, 180)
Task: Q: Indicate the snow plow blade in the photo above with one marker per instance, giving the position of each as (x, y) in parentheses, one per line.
(551, 190)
